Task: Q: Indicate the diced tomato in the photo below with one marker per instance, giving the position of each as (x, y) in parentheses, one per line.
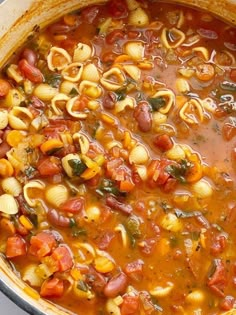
(134, 269)
(49, 167)
(30, 72)
(114, 36)
(37, 103)
(227, 303)
(69, 45)
(130, 305)
(163, 142)
(89, 14)
(74, 205)
(42, 244)
(118, 8)
(127, 185)
(16, 246)
(147, 246)
(64, 258)
(170, 185)
(218, 280)
(105, 239)
(4, 87)
(218, 245)
(52, 288)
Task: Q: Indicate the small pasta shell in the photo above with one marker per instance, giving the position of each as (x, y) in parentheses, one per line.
(66, 165)
(58, 59)
(142, 171)
(160, 292)
(133, 71)
(121, 105)
(91, 89)
(138, 155)
(135, 50)
(69, 88)
(70, 108)
(45, 92)
(124, 237)
(113, 79)
(82, 52)
(195, 297)
(14, 73)
(58, 103)
(176, 153)
(20, 118)
(170, 222)
(3, 119)
(83, 141)
(169, 96)
(73, 72)
(90, 73)
(182, 85)
(8, 204)
(192, 111)
(13, 98)
(32, 185)
(202, 189)
(93, 214)
(57, 195)
(86, 253)
(11, 186)
(112, 307)
(132, 4)
(30, 276)
(138, 17)
(179, 35)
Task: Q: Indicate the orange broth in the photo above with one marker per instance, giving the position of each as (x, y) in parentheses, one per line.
(121, 176)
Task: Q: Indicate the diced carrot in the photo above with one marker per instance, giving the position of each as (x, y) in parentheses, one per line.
(42, 244)
(15, 246)
(64, 258)
(126, 185)
(51, 145)
(7, 226)
(52, 288)
(14, 137)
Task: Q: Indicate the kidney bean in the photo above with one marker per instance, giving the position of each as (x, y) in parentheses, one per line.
(117, 205)
(116, 285)
(30, 72)
(58, 28)
(142, 115)
(37, 103)
(109, 100)
(58, 219)
(96, 280)
(163, 142)
(114, 36)
(4, 148)
(29, 55)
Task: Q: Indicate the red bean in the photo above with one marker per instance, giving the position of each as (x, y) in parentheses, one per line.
(114, 36)
(142, 115)
(117, 205)
(109, 100)
(29, 55)
(163, 142)
(116, 285)
(30, 72)
(58, 28)
(58, 219)
(96, 280)
(4, 148)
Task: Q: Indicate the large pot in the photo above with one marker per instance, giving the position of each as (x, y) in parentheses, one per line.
(18, 21)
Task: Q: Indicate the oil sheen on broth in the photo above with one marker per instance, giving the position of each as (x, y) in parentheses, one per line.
(118, 160)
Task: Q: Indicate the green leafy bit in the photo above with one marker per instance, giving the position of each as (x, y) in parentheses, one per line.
(108, 186)
(29, 172)
(132, 225)
(179, 171)
(78, 166)
(53, 79)
(156, 102)
(54, 150)
(121, 94)
(77, 231)
(73, 92)
(81, 285)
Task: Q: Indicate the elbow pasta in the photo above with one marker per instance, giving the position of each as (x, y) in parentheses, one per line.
(118, 161)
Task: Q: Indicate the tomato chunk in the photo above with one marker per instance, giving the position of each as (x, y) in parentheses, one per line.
(73, 205)
(15, 246)
(42, 244)
(49, 167)
(130, 305)
(64, 258)
(118, 8)
(218, 280)
(52, 288)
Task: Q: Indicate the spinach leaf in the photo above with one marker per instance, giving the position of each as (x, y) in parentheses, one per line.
(156, 102)
(78, 167)
(53, 79)
(179, 171)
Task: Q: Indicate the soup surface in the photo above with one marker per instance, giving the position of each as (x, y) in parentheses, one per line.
(118, 161)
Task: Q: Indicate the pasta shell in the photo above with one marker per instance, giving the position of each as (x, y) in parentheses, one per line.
(138, 155)
(135, 50)
(58, 103)
(192, 111)
(170, 222)
(85, 252)
(71, 111)
(138, 17)
(3, 119)
(8, 204)
(31, 186)
(176, 33)
(90, 73)
(56, 195)
(121, 105)
(124, 237)
(69, 88)
(73, 72)
(20, 118)
(169, 97)
(160, 292)
(13, 98)
(91, 89)
(45, 92)
(58, 59)
(113, 79)
(195, 297)
(133, 71)
(11, 186)
(176, 153)
(182, 85)
(82, 52)
(30, 276)
(83, 142)
(66, 165)
(132, 4)
(14, 73)
(202, 189)
(93, 214)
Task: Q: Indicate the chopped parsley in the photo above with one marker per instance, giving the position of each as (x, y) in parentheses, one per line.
(78, 166)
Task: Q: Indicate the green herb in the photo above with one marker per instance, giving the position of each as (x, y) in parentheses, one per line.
(72, 222)
(156, 102)
(155, 304)
(121, 94)
(81, 285)
(29, 150)
(179, 171)
(78, 167)
(173, 241)
(53, 151)
(53, 79)
(73, 92)
(78, 231)
(108, 186)
(33, 219)
(133, 226)
(29, 172)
